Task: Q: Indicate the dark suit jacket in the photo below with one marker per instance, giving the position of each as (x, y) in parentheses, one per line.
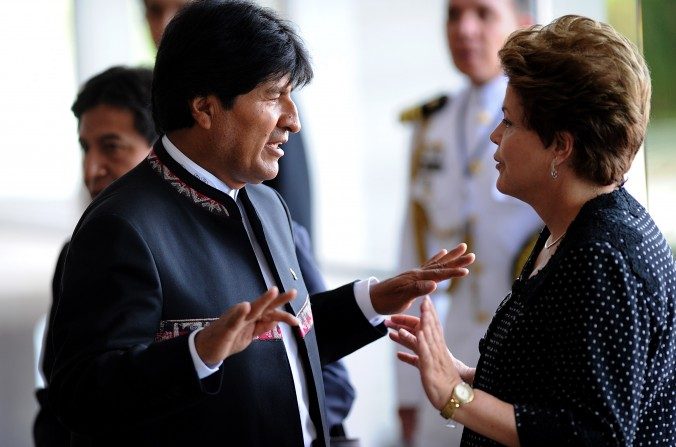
(48, 431)
(156, 255)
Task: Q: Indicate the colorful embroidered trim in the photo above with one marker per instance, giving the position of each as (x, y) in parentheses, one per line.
(173, 328)
(273, 334)
(306, 318)
(183, 188)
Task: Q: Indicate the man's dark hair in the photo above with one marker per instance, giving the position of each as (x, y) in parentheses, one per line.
(224, 48)
(121, 87)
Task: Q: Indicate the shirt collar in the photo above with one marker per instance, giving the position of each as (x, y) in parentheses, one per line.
(199, 172)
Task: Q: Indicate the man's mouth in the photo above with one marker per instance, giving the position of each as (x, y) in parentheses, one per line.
(275, 147)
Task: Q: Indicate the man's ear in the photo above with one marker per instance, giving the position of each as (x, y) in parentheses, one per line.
(563, 146)
(203, 109)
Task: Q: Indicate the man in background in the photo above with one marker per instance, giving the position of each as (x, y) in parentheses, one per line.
(116, 132)
(453, 198)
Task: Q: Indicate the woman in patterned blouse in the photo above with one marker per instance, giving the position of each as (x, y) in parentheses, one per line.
(583, 350)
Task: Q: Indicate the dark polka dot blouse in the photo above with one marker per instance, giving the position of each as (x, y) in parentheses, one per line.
(585, 349)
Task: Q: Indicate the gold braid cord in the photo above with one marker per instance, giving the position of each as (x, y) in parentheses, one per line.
(418, 213)
(421, 223)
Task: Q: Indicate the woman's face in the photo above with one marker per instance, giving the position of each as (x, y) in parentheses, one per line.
(523, 161)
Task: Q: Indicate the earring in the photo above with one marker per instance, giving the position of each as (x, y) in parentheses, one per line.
(553, 171)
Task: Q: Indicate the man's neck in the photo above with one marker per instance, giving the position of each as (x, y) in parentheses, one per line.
(192, 164)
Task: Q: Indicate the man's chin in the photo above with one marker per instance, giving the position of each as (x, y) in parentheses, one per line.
(269, 174)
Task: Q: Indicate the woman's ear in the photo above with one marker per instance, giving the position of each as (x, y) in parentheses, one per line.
(202, 109)
(563, 146)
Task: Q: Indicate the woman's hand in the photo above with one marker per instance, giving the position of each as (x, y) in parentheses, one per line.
(439, 370)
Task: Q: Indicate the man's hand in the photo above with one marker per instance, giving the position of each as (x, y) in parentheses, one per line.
(237, 327)
(395, 295)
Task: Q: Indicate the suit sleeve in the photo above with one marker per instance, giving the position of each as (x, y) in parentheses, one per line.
(340, 324)
(108, 370)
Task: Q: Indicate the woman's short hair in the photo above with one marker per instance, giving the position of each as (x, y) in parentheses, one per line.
(581, 76)
(225, 48)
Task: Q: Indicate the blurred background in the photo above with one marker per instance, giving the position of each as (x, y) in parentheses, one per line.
(372, 58)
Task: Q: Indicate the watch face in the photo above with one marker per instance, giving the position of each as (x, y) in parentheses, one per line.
(463, 392)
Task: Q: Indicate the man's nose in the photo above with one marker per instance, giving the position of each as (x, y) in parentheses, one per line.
(290, 119)
(93, 166)
(468, 24)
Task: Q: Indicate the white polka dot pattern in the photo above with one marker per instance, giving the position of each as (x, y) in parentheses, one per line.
(586, 349)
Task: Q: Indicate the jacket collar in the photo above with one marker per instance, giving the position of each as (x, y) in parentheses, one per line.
(187, 185)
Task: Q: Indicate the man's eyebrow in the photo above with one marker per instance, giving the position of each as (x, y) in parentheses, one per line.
(278, 88)
(109, 136)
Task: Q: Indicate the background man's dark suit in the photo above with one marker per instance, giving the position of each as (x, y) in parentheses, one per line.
(339, 392)
(136, 236)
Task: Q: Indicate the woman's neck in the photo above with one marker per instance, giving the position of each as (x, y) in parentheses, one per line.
(558, 208)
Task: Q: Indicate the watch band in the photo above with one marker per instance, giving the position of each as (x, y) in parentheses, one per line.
(449, 409)
(462, 395)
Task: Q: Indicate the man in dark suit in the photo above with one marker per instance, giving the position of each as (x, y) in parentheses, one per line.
(155, 343)
(293, 184)
(293, 179)
(116, 132)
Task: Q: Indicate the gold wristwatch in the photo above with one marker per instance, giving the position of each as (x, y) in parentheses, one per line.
(462, 395)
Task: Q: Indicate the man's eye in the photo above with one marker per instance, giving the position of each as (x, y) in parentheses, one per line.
(109, 148)
(506, 122)
(484, 14)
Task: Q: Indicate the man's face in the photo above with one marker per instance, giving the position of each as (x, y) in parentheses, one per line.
(476, 30)
(111, 145)
(159, 13)
(249, 135)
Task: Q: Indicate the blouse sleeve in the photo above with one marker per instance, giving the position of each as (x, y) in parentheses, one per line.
(600, 322)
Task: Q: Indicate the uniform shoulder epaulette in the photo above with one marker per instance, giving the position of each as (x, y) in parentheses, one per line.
(423, 111)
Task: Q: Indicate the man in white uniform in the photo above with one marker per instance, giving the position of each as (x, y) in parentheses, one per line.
(453, 198)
